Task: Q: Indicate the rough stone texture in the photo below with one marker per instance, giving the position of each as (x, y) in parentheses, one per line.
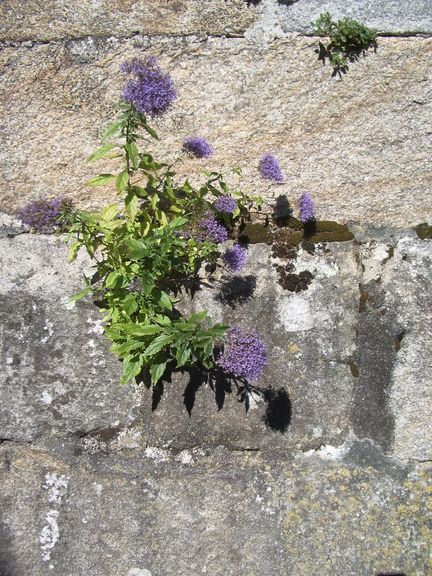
(214, 513)
(411, 394)
(360, 146)
(260, 20)
(331, 475)
(95, 481)
(352, 352)
(57, 375)
(279, 18)
(34, 21)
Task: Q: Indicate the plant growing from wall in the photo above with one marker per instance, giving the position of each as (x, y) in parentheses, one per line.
(146, 248)
(348, 39)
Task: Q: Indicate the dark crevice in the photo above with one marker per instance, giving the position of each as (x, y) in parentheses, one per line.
(399, 339)
(105, 433)
(30, 42)
(354, 369)
(15, 441)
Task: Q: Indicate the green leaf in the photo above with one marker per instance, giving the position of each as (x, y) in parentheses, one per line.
(131, 367)
(73, 250)
(158, 343)
(130, 304)
(163, 320)
(132, 150)
(165, 301)
(100, 180)
(177, 222)
(236, 212)
(132, 205)
(81, 294)
(139, 191)
(137, 248)
(157, 371)
(110, 212)
(101, 152)
(122, 181)
(133, 329)
(182, 356)
(114, 279)
(113, 129)
(198, 316)
(127, 347)
(150, 131)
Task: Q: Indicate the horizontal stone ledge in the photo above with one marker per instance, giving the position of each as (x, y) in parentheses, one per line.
(261, 20)
(219, 514)
(360, 146)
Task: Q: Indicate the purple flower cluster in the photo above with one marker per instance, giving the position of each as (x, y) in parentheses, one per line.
(43, 214)
(270, 169)
(244, 355)
(307, 208)
(150, 90)
(235, 257)
(225, 204)
(211, 230)
(197, 147)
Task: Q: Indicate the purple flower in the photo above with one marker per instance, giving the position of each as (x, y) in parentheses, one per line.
(270, 169)
(149, 90)
(198, 147)
(211, 230)
(244, 355)
(43, 214)
(225, 204)
(307, 208)
(235, 257)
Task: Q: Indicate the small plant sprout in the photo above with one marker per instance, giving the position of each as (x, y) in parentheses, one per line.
(348, 39)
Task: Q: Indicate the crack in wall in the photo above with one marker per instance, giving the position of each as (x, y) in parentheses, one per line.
(30, 43)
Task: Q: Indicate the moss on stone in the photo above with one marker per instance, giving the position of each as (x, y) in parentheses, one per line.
(424, 231)
(252, 233)
(326, 231)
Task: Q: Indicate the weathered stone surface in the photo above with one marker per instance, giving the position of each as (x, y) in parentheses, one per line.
(407, 284)
(349, 354)
(330, 483)
(30, 21)
(259, 20)
(360, 146)
(158, 513)
(277, 18)
(57, 375)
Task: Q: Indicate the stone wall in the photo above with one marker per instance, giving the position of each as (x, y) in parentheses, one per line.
(330, 472)
(248, 79)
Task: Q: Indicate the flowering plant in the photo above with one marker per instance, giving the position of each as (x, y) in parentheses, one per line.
(144, 249)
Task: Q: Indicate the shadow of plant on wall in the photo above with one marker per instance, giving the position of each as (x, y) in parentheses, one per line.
(277, 416)
(278, 411)
(237, 290)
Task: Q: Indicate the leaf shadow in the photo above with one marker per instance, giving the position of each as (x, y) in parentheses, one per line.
(238, 290)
